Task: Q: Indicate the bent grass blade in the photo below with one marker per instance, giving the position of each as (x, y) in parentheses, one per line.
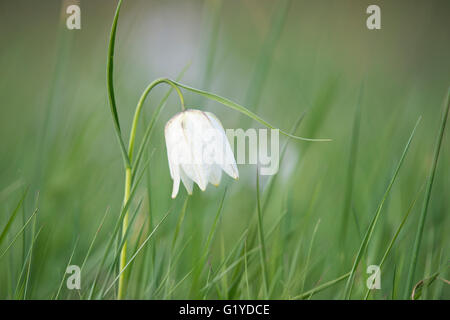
(368, 235)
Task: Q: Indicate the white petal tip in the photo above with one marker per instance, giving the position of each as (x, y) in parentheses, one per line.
(174, 191)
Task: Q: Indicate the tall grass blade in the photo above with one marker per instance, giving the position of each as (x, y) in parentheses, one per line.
(172, 263)
(114, 235)
(199, 267)
(12, 217)
(261, 240)
(137, 252)
(110, 85)
(229, 268)
(308, 257)
(351, 166)
(215, 11)
(120, 245)
(394, 238)
(91, 245)
(18, 233)
(19, 288)
(27, 279)
(423, 215)
(64, 271)
(262, 65)
(267, 192)
(233, 252)
(179, 222)
(368, 235)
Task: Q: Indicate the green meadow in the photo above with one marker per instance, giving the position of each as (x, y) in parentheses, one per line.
(377, 194)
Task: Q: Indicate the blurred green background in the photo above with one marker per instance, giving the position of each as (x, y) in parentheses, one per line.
(277, 58)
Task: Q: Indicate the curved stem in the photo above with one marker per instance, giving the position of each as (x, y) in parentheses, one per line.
(139, 108)
(149, 129)
(129, 175)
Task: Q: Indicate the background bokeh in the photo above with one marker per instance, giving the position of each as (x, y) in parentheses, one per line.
(279, 59)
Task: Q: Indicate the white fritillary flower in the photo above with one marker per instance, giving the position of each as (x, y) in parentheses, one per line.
(197, 150)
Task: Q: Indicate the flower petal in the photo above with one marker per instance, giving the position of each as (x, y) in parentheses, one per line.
(193, 126)
(215, 175)
(176, 184)
(172, 133)
(188, 183)
(227, 163)
(195, 173)
(197, 150)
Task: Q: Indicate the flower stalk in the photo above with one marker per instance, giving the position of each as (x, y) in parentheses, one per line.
(129, 165)
(123, 252)
(129, 173)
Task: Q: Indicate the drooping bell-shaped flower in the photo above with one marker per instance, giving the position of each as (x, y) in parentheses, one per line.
(197, 150)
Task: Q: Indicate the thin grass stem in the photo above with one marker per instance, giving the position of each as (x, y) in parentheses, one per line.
(423, 215)
(370, 229)
(261, 239)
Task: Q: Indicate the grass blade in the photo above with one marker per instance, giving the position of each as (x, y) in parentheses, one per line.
(321, 287)
(351, 166)
(27, 279)
(388, 250)
(199, 267)
(215, 11)
(93, 239)
(24, 267)
(114, 234)
(110, 84)
(429, 187)
(308, 257)
(11, 218)
(64, 271)
(137, 252)
(233, 105)
(266, 54)
(120, 245)
(179, 222)
(368, 235)
(18, 233)
(261, 239)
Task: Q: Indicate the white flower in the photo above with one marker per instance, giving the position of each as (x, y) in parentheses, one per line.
(197, 150)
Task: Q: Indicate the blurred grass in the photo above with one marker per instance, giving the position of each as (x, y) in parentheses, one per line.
(57, 141)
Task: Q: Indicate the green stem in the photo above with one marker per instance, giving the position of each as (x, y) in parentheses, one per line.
(149, 129)
(123, 252)
(139, 108)
(129, 175)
